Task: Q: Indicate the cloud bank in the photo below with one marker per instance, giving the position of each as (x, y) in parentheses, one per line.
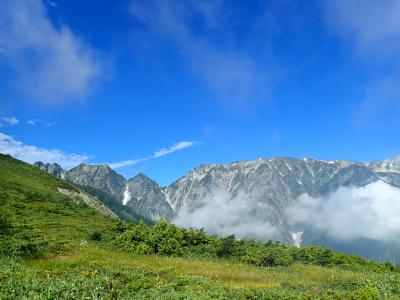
(31, 154)
(162, 152)
(348, 214)
(369, 212)
(243, 215)
(52, 63)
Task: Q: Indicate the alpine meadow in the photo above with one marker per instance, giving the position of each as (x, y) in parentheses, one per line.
(200, 149)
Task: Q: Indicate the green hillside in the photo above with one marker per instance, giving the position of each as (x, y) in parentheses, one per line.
(33, 208)
(53, 245)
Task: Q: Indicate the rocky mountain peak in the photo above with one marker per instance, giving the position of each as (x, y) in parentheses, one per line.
(54, 168)
(147, 198)
(101, 177)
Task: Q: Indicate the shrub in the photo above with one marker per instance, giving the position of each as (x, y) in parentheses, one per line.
(195, 237)
(227, 246)
(167, 239)
(95, 236)
(277, 256)
(5, 225)
(19, 245)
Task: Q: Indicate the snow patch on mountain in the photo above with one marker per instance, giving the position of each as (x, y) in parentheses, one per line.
(127, 195)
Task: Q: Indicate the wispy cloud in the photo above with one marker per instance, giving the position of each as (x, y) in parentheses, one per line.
(371, 25)
(52, 3)
(53, 64)
(31, 154)
(128, 162)
(176, 147)
(372, 28)
(235, 76)
(35, 122)
(162, 152)
(8, 121)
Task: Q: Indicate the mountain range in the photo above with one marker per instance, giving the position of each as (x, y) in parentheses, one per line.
(267, 187)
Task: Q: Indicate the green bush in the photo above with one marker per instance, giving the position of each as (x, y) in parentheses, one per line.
(19, 245)
(165, 238)
(277, 256)
(95, 236)
(227, 246)
(5, 225)
(162, 238)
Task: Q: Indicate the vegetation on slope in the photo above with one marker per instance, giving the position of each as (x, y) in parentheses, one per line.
(124, 212)
(35, 218)
(165, 238)
(55, 247)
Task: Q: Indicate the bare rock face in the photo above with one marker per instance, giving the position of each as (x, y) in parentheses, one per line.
(147, 198)
(101, 177)
(388, 170)
(278, 181)
(54, 168)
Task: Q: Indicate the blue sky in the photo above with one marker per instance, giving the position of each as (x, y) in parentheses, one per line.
(161, 86)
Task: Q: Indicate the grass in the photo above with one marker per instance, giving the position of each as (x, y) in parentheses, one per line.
(98, 272)
(225, 273)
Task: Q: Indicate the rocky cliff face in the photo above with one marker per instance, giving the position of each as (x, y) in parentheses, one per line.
(54, 168)
(388, 170)
(142, 195)
(101, 177)
(278, 181)
(146, 198)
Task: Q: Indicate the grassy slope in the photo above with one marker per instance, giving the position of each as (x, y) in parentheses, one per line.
(29, 200)
(92, 270)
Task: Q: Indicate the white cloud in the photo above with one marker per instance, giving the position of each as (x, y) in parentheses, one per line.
(126, 163)
(223, 214)
(53, 64)
(176, 147)
(31, 154)
(35, 122)
(8, 121)
(369, 212)
(162, 152)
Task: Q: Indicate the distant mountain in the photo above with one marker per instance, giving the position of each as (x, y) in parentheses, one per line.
(101, 177)
(388, 170)
(147, 198)
(54, 168)
(141, 196)
(272, 184)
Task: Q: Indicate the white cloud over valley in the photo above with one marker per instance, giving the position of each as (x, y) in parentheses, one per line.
(243, 215)
(369, 212)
